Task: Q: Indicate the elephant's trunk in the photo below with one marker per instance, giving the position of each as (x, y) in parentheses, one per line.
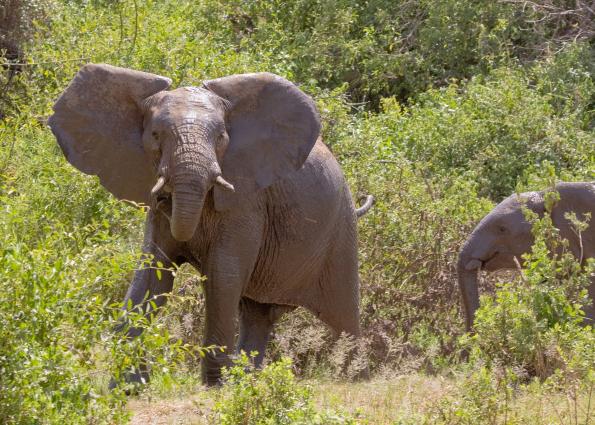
(186, 211)
(193, 172)
(468, 275)
(468, 280)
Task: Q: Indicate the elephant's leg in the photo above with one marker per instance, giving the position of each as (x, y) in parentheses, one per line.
(339, 301)
(342, 313)
(256, 325)
(228, 268)
(148, 285)
(147, 288)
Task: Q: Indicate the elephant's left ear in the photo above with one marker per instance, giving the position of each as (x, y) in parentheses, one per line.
(272, 127)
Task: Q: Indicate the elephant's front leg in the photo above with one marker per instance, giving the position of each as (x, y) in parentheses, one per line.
(148, 285)
(229, 267)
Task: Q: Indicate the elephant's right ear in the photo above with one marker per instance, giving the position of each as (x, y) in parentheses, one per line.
(98, 123)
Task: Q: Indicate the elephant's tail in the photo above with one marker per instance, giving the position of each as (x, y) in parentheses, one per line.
(366, 207)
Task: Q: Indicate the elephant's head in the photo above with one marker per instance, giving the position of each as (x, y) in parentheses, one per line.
(499, 237)
(237, 134)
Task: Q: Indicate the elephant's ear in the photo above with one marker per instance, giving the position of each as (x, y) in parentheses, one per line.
(272, 127)
(98, 123)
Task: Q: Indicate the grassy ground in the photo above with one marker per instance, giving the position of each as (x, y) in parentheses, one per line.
(407, 399)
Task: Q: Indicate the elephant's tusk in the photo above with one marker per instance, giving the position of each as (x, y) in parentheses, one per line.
(224, 184)
(158, 186)
(474, 264)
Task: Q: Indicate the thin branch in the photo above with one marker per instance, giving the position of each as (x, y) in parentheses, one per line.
(135, 29)
(519, 269)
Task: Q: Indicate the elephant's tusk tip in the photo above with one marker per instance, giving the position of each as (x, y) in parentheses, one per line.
(474, 264)
(158, 186)
(224, 184)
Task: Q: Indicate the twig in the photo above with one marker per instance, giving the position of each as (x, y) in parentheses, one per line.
(519, 269)
(580, 243)
(589, 405)
(135, 28)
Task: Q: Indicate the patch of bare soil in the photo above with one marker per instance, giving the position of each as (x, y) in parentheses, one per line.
(192, 411)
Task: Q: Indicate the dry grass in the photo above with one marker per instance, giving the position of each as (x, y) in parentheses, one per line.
(402, 399)
(190, 411)
(383, 401)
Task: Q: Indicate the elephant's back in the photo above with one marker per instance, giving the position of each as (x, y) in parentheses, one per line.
(577, 198)
(318, 190)
(582, 193)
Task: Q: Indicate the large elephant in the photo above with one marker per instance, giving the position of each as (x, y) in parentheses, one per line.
(504, 234)
(240, 186)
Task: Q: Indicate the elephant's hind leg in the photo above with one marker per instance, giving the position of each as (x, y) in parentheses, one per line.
(340, 309)
(338, 304)
(341, 313)
(256, 325)
(338, 290)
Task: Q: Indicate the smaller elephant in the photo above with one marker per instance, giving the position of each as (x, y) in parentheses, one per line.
(504, 234)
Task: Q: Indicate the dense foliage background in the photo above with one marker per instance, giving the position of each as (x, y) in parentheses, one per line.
(438, 108)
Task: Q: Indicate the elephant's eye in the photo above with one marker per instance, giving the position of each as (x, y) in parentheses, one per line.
(501, 229)
(155, 135)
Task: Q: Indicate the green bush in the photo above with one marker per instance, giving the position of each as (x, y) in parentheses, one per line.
(386, 48)
(268, 396)
(495, 131)
(65, 259)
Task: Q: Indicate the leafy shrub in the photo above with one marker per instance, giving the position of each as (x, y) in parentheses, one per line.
(267, 396)
(483, 397)
(495, 131)
(499, 396)
(65, 258)
(385, 48)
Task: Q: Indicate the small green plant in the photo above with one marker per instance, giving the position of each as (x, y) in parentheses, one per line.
(483, 398)
(268, 396)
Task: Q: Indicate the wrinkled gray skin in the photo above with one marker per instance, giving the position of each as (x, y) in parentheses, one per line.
(504, 234)
(239, 185)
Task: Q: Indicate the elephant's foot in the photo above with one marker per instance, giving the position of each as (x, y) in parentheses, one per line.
(211, 368)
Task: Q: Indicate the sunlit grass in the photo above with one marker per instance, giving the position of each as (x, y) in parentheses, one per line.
(407, 399)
